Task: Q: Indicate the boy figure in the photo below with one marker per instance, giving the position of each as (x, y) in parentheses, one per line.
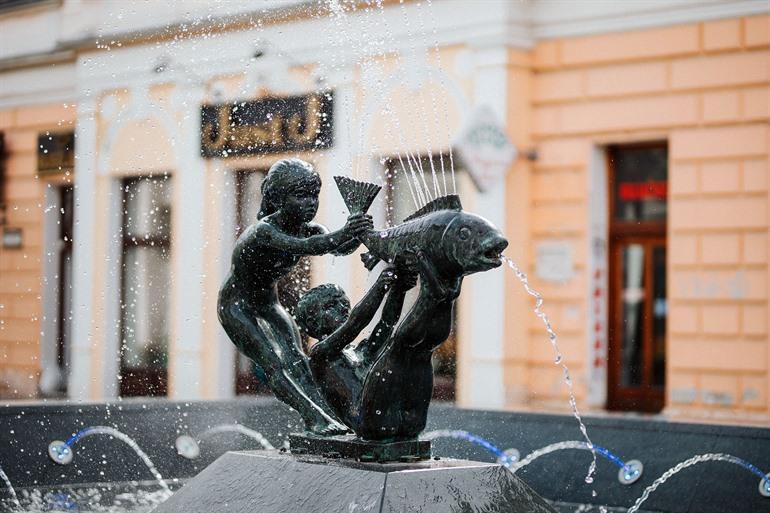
(342, 372)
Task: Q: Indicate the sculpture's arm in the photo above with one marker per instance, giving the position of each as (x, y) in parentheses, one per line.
(345, 248)
(391, 313)
(319, 244)
(359, 318)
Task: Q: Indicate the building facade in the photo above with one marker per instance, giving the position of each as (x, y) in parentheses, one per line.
(637, 206)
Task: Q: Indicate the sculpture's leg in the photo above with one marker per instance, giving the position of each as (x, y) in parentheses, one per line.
(286, 330)
(268, 338)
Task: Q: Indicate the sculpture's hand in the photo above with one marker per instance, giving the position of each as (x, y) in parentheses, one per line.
(387, 278)
(358, 225)
(406, 279)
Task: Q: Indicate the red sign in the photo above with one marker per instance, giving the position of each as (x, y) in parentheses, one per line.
(642, 190)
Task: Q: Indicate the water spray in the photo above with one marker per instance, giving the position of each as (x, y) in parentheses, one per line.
(764, 478)
(62, 452)
(506, 458)
(558, 360)
(629, 471)
(188, 447)
(8, 485)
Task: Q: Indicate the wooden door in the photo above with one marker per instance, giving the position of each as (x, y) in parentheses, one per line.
(638, 306)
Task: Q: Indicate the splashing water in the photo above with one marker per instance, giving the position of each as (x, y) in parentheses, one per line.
(700, 458)
(110, 498)
(506, 458)
(237, 428)
(426, 127)
(8, 485)
(106, 430)
(559, 360)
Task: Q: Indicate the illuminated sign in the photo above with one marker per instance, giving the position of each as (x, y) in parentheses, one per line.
(267, 125)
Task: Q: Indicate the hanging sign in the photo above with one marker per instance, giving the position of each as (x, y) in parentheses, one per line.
(267, 125)
(485, 148)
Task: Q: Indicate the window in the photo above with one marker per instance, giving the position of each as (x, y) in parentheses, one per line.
(3, 161)
(146, 286)
(249, 378)
(638, 306)
(398, 205)
(64, 326)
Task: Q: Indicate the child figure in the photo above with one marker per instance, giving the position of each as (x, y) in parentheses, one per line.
(340, 371)
(248, 305)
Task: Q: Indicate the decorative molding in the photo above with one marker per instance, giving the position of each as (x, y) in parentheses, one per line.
(554, 20)
(36, 86)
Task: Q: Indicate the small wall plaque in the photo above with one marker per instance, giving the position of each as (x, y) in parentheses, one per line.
(554, 261)
(12, 238)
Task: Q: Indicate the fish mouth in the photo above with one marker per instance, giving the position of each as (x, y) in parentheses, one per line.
(493, 252)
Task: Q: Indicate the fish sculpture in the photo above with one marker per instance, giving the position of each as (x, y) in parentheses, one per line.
(443, 244)
(455, 241)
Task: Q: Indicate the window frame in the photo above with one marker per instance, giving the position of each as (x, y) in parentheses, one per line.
(139, 381)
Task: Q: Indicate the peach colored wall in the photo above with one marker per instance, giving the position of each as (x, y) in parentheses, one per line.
(706, 89)
(20, 269)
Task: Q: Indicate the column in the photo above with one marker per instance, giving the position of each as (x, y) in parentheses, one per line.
(333, 212)
(187, 248)
(82, 345)
(481, 381)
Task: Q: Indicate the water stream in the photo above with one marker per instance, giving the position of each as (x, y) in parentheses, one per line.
(630, 471)
(559, 360)
(701, 458)
(8, 485)
(238, 428)
(507, 458)
(61, 452)
(447, 125)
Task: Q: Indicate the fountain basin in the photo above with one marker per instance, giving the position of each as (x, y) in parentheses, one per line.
(710, 487)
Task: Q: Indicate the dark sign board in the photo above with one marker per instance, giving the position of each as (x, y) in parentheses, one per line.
(267, 125)
(55, 152)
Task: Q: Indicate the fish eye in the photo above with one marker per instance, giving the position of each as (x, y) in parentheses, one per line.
(465, 233)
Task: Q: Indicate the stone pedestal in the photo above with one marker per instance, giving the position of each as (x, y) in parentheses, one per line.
(274, 482)
(352, 448)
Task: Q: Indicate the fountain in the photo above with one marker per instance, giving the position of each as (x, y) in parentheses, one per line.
(156, 426)
(363, 410)
(364, 426)
(365, 418)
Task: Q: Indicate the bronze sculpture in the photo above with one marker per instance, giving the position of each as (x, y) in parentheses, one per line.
(341, 372)
(381, 388)
(248, 305)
